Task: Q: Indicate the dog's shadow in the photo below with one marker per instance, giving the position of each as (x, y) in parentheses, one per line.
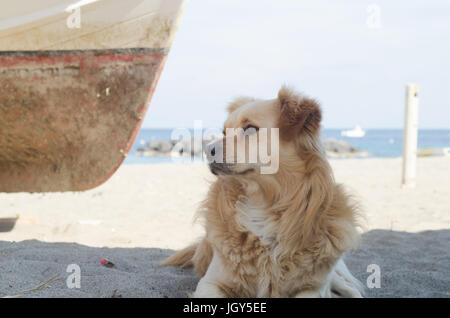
(410, 264)
(131, 272)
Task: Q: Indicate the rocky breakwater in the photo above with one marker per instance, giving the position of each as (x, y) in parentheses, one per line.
(194, 147)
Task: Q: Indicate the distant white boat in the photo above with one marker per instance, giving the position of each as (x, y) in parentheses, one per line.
(356, 132)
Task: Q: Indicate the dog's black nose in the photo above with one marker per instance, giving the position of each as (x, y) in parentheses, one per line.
(210, 150)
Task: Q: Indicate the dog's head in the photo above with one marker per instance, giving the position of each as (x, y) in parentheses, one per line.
(264, 134)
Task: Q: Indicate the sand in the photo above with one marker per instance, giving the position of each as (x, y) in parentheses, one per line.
(145, 212)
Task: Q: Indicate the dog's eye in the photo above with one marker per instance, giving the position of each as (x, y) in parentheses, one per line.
(250, 129)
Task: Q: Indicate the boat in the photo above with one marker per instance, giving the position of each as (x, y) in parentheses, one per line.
(76, 79)
(356, 132)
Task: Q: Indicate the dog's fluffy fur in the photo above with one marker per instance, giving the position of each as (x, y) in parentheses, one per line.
(282, 234)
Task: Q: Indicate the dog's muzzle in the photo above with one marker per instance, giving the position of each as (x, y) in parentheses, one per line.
(214, 155)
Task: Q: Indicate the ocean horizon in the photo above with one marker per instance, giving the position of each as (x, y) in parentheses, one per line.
(381, 143)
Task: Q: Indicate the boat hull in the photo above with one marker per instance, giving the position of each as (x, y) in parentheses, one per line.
(72, 100)
(67, 119)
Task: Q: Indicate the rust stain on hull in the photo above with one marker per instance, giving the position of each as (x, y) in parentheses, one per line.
(68, 118)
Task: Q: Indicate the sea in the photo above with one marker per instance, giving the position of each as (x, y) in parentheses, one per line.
(384, 143)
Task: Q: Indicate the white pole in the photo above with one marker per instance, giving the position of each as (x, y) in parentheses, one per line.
(410, 136)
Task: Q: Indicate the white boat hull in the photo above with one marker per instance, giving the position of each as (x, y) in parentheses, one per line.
(80, 25)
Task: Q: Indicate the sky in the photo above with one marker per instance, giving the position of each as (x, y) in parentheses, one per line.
(355, 57)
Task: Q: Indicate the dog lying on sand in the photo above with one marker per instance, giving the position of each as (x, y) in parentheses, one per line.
(279, 234)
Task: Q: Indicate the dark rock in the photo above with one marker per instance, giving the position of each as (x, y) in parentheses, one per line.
(339, 148)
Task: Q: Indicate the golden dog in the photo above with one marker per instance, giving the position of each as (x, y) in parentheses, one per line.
(278, 234)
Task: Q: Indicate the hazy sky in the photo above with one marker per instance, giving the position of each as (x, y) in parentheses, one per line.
(325, 49)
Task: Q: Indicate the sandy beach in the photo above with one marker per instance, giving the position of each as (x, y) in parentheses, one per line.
(145, 212)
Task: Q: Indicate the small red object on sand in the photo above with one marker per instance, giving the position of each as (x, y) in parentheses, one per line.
(107, 263)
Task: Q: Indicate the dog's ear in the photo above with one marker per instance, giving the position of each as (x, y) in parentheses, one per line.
(238, 102)
(297, 113)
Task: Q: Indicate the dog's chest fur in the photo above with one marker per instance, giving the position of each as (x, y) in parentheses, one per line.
(254, 217)
(253, 214)
(272, 279)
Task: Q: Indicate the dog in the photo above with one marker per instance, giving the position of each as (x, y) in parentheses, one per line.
(280, 234)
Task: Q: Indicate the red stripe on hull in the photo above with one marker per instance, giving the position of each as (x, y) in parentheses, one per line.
(68, 120)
